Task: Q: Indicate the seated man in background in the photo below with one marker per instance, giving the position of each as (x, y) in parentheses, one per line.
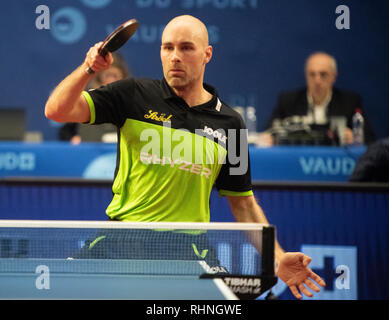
(318, 114)
(75, 132)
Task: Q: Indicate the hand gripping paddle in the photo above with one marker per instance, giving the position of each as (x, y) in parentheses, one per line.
(117, 39)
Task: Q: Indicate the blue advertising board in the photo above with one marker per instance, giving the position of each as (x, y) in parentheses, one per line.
(98, 160)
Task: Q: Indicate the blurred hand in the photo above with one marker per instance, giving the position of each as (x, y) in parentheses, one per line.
(348, 136)
(293, 270)
(75, 140)
(264, 139)
(95, 61)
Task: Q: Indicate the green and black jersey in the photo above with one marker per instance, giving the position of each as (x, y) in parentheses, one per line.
(169, 154)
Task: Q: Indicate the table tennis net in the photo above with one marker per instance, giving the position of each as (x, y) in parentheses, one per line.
(132, 248)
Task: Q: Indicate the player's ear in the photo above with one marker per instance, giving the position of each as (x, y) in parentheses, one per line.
(208, 54)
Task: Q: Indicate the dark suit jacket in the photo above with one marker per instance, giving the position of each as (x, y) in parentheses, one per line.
(342, 103)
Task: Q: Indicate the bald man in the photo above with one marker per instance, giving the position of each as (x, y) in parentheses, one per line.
(320, 101)
(151, 185)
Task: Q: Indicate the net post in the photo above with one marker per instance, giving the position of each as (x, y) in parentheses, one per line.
(268, 242)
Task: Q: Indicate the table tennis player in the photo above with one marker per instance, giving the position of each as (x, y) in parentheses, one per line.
(153, 185)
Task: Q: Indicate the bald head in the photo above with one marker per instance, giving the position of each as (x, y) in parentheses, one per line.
(323, 59)
(185, 51)
(193, 27)
(320, 73)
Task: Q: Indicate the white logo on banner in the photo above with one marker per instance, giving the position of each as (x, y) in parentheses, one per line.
(23, 161)
(103, 167)
(327, 166)
(343, 20)
(96, 4)
(43, 20)
(42, 282)
(339, 263)
(68, 25)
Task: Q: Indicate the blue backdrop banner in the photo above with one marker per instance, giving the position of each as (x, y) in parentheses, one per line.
(260, 47)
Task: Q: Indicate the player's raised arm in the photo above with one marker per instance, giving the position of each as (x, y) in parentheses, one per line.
(66, 103)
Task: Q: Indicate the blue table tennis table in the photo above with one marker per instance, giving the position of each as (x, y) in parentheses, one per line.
(21, 278)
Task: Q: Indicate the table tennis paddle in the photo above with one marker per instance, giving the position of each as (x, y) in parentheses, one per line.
(117, 39)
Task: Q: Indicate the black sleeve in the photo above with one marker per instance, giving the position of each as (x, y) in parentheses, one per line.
(235, 174)
(373, 165)
(112, 102)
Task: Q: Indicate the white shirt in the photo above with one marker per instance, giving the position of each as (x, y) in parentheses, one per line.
(317, 113)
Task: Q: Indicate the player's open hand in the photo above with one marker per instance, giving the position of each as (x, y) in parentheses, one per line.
(95, 61)
(293, 270)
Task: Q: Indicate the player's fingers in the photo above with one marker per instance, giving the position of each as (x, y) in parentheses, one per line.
(109, 58)
(317, 278)
(311, 285)
(305, 291)
(90, 57)
(96, 62)
(98, 66)
(100, 60)
(295, 292)
(98, 45)
(93, 52)
(306, 260)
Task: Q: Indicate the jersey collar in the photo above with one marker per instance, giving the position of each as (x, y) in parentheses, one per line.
(213, 105)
